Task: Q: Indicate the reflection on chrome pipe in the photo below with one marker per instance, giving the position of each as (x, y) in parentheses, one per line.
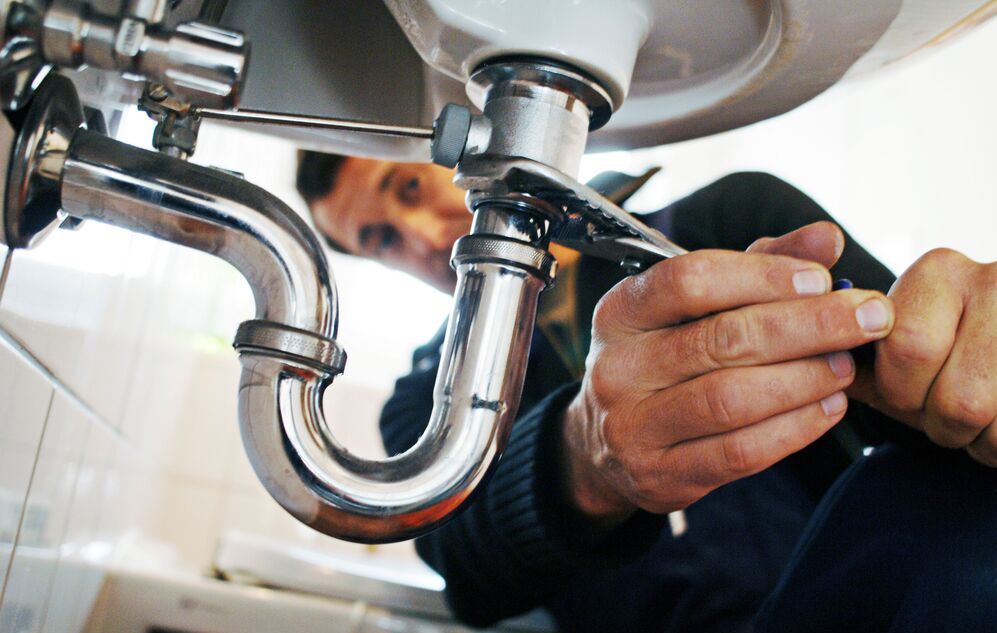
(289, 354)
(211, 211)
(475, 400)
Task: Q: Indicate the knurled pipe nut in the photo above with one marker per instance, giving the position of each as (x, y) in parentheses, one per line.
(478, 248)
(294, 343)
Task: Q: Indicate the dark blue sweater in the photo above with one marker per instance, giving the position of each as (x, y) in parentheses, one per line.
(517, 545)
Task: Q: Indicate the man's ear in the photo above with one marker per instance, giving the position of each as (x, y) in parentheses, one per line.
(820, 242)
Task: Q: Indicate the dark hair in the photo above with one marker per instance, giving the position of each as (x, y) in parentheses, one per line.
(317, 174)
(315, 178)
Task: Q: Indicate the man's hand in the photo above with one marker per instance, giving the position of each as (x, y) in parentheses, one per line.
(711, 367)
(937, 370)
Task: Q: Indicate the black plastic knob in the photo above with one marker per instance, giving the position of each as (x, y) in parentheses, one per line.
(450, 132)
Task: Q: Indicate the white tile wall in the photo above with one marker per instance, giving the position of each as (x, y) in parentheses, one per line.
(87, 543)
(46, 519)
(24, 402)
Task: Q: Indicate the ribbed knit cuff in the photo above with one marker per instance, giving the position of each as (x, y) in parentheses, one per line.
(530, 512)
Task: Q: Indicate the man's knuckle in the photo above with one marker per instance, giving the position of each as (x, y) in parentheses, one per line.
(965, 410)
(828, 324)
(602, 380)
(721, 398)
(732, 339)
(736, 454)
(939, 432)
(775, 274)
(910, 344)
(685, 278)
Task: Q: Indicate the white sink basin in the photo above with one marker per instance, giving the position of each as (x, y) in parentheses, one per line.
(688, 69)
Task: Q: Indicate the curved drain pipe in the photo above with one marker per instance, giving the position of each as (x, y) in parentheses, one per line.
(289, 352)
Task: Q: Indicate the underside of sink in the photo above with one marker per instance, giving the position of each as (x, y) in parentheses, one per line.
(675, 70)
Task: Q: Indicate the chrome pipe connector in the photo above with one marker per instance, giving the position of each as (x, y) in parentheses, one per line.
(198, 63)
(299, 346)
(472, 249)
(539, 110)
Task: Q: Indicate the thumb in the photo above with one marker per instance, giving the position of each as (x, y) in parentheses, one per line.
(820, 242)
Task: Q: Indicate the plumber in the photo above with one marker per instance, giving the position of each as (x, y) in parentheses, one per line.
(693, 450)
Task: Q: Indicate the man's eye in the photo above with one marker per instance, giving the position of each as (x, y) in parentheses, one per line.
(379, 238)
(408, 190)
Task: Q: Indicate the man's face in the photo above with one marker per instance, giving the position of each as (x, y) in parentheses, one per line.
(407, 215)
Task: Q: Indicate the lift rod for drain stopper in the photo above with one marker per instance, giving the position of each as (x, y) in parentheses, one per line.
(455, 132)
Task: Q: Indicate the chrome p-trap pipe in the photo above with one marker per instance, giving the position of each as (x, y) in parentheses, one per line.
(289, 352)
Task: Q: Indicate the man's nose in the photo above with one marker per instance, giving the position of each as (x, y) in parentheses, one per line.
(430, 230)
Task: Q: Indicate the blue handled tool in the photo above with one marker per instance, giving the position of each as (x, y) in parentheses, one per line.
(842, 284)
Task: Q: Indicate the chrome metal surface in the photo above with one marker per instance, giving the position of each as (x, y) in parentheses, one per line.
(539, 111)
(150, 11)
(590, 222)
(21, 68)
(266, 337)
(475, 400)
(31, 200)
(472, 249)
(209, 210)
(8, 137)
(289, 353)
(198, 63)
(285, 433)
(522, 218)
(21, 65)
(299, 120)
(543, 81)
(478, 136)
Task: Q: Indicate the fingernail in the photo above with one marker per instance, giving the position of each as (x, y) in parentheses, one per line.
(810, 282)
(834, 404)
(841, 364)
(873, 315)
